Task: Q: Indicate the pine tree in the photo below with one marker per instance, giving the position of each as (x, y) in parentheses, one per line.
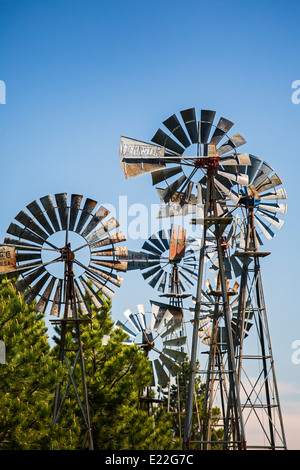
(28, 377)
(116, 373)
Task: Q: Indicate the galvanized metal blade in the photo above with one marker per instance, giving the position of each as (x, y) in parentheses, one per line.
(167, 193)
(113, 278)
(24, 233)
(190, 121)
(188, 269)
(37, 212)
(63, 210)
(264, 171)
(162, 285)
(140, 260)
(174, 126)
(24, 246)
(235, 177)
(110, 225)
(112, 239)
(28, 279)
(207, 118)
(280, 208)
(223, 126)
(23, 268)
(156, 241)
(125, 328)
(174, 328)
(176, 342)
(178, 356)
(253, 168)
(277, 194)
(234, 142)
(271, 218)
(130, 317)
(232, 230)
(118, 251)
(153, 249)
(82, 305)
(151, 272)
(56, 304)
(85, 214)
(241, 159)
(233, 196)
(45, 297)
(186, 279)
(162, 377)
(74, 209)
(27, 256)
(48, 205)
(161, 138)
(101, 287)
(172, 367)
(164, 236)
(95, 299)
(31, 294)
(117, 265)
(270, 182)
(236, 267)
(100, 214)
(224, 181)
(155, 278)
(269, 234)
(165, 319)
(141, 310)
(141, 256)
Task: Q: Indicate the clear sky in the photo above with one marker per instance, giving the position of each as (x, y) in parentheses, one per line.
(79, 74)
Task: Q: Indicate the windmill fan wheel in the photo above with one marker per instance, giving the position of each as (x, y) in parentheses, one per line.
(52, 238)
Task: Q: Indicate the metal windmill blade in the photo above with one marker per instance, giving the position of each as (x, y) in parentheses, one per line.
(264, 194)
(42, 242)
(159, 336)
(167, 160)
(168, 261)
(233, 239)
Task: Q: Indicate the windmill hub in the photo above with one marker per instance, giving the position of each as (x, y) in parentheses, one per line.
(250, 197)
(210, 164)
(67, 254)
(83, 255)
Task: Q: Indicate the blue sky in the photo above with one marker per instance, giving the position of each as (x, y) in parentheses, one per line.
(79, 74)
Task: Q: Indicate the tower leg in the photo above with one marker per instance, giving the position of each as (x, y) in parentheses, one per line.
(59, 401)
(252, 306)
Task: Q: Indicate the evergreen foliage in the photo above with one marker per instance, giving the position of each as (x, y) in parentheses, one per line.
(28, 378)
(116, 374)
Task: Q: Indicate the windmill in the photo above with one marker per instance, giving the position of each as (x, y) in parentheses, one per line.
(209, 169)
(157, 335)
(168, 261)
(48, 253)
(257, 218)
(213, 334)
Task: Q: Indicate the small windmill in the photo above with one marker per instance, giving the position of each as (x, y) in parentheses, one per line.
(257, 211)
(168, 261)
(42, 255)
(157, 335)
